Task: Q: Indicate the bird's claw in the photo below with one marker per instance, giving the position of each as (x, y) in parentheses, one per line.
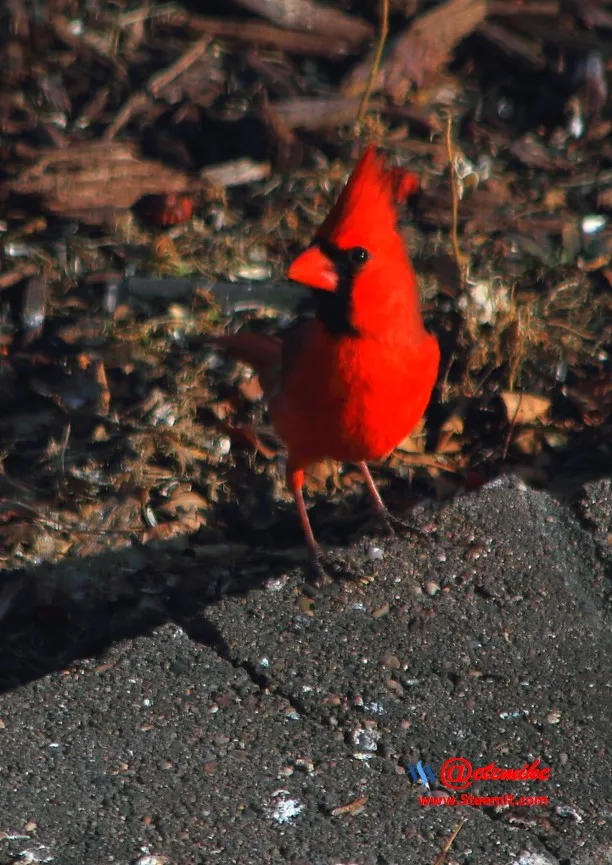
(325, 569)
(392, 525)
(317, 565)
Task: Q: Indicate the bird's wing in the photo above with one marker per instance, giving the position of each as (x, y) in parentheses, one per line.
(262, 352)
(270, 356)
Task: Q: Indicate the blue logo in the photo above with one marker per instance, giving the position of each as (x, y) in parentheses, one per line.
(421, 774)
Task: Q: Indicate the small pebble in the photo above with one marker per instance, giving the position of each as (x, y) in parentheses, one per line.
(593, 223)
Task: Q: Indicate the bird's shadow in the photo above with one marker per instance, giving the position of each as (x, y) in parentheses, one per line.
(53, 614)
(56, 614)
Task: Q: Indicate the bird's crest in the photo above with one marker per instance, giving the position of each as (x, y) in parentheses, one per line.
(367, 204)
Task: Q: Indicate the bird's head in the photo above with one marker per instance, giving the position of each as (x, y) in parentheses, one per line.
(357, 265)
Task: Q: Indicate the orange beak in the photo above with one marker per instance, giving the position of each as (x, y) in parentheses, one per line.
(314, 269)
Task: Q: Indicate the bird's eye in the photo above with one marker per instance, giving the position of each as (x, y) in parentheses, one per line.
(358, 255)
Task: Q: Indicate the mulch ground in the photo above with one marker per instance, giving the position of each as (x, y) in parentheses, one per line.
(155, 160)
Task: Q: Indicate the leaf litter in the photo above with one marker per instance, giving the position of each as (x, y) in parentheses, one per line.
(156, 155)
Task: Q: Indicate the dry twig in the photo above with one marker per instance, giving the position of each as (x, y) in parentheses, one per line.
(454, 187)
(442, 855)
(383, 30)
(257, 33)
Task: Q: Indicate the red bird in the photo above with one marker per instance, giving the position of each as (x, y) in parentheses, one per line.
(353, 382)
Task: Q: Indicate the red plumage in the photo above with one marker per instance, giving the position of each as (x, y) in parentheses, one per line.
(353, 382)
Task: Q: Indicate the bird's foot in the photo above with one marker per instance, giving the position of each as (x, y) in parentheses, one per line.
(391, 525)
(318, 567)
(325, 568)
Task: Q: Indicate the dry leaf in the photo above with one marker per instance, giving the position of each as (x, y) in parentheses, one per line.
(183, 501)
(415, 442)
(525, 408)
(186, 525)
(528, 441)
(318, 476)
(450, 441)
(250, 388)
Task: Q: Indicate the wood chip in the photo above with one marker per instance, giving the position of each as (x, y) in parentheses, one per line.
(235, 172)
(258, 33)
(310, 16)
(96, 175)
(422, 51)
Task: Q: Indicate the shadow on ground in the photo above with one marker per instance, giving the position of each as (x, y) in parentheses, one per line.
(230, 712)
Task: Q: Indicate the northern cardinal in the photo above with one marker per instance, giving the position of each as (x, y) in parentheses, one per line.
(353, 382)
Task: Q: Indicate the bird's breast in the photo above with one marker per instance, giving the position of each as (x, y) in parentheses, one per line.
(354, 399)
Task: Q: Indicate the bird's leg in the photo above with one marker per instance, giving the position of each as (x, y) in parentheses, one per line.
(295, 482)
(380, 509)
(387, 520)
